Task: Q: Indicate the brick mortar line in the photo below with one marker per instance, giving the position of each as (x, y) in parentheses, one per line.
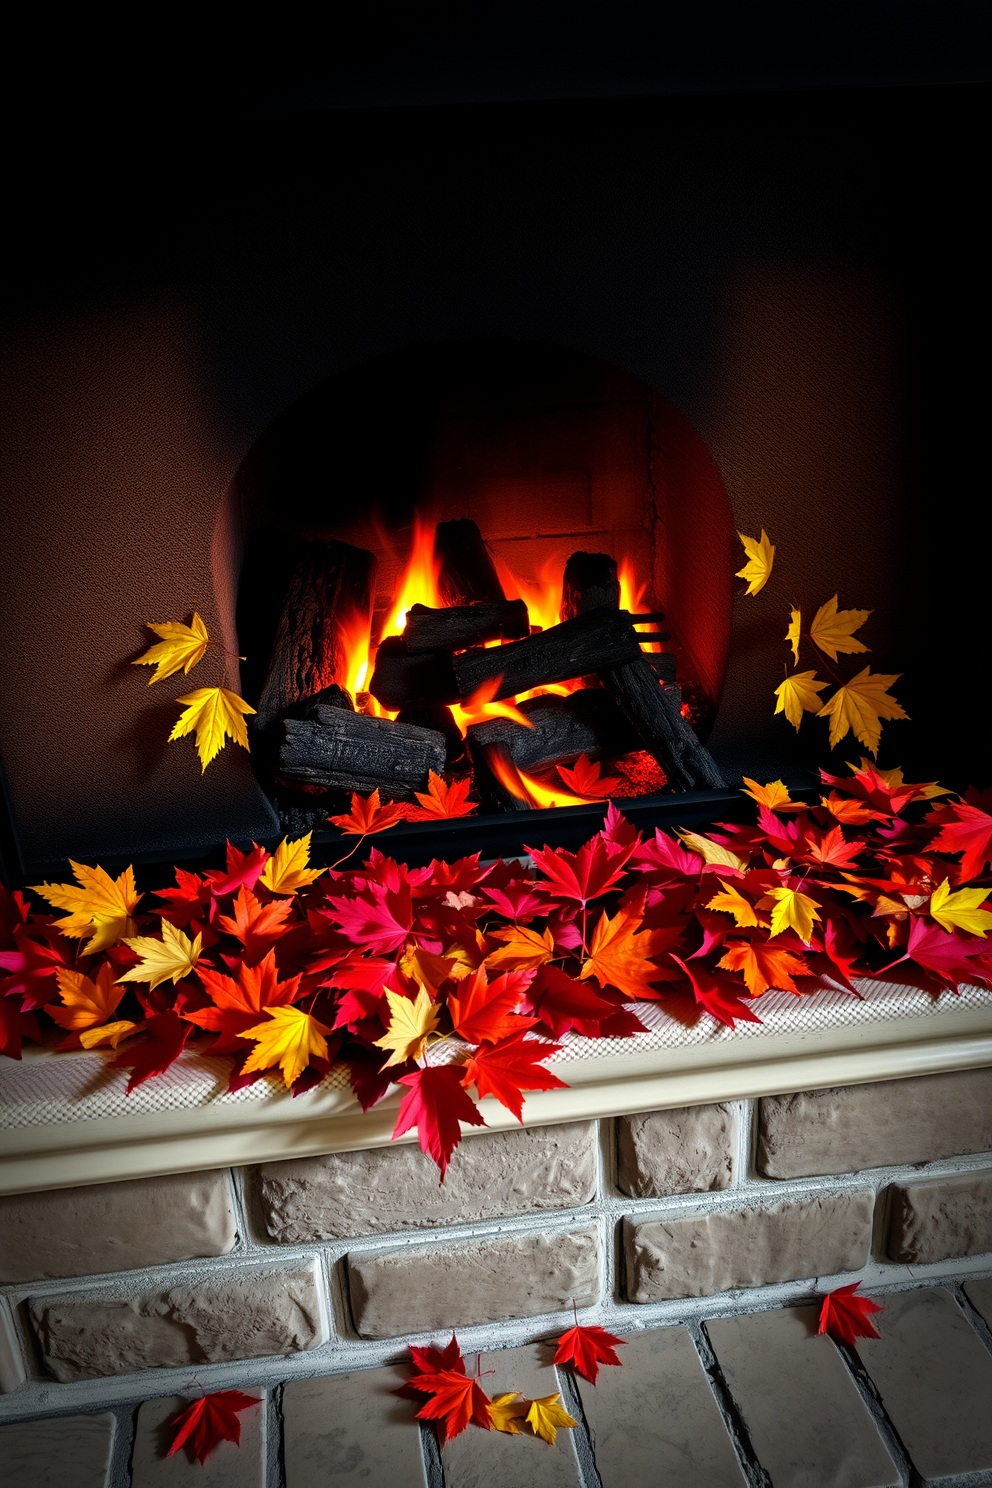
(730, 1413)
(872, 1401)
(581, 1435)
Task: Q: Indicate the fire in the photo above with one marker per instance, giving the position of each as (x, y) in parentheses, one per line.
(355, 637)
(632, 597)
(526, 788)
(419, 582)
(480, 706)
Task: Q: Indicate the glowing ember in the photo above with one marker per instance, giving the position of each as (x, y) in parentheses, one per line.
(480, 706)
(525, 788)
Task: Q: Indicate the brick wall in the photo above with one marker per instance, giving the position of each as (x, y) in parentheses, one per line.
(117, 1293)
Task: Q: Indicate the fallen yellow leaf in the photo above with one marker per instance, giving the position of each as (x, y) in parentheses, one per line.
(832, 629)
(797, 693)
(87, 1004)
(506, 1410)
(546, 1416)
(168, 959)
(792, 911)
(713, 852)
(180, 646)
(110, 1034)
(731, 902)
(214, 713)
(289, 1038)
(431, 970)
(99, 904)
(760, 555)
(410, 1024)
(524, 949)
(774, 795)
(860, 705)
(960, 911)
(286, 871)
(792, 634)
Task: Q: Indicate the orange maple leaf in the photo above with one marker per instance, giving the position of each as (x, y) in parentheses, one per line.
(457, 1400)
(483, 1009)
(524, 948)
(443, 800)
(764, 966)
(255, 924)
(238, 1004)
(88, 1005)
(619, 951)
(367, 814)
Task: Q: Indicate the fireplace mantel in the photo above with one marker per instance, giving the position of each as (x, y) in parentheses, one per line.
(67, 1121)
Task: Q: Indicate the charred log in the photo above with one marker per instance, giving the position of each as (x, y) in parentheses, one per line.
(441, 721)
(402, 681)
(467, 572)
(331, 581)
(652, 709)
(349, 751)
(590, 582)
(604, 638)
(328, 697)
(462, 626)
(586, 722)
(493, 794)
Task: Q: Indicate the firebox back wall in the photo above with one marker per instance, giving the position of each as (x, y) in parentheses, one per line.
(793, 272)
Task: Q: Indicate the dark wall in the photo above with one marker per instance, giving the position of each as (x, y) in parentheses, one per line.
(797, 272)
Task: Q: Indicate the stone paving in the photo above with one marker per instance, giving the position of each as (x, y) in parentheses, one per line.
(753, 1400)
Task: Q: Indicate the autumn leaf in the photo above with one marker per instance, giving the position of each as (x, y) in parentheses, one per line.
(797, 694)
(238, 1004)
(209, 1421)
(546, 1416)
(100, 904)
(256, 925)
(444, 800)
(792, 911)
(484, 1010)
(831, 849)
(506, 1410)
(720, 996)
(510, 1066)
(833, 630)
(287, 871)
(731, 902)
(523, 949)
(846, 1317)
(457, 1400)
(165, 960)
(584, 779)
(436, 1105)
(961, 910)
(214, 714)
(712, 852)
(367, 815)
(967, 830)
(860, 705)
(850, 811)
(760, 555)
(164, 1041)
(180, 646)
(410, 1025)
(87, 1006)
(431, 1360)
(764, 966)
(290, 1038)
(584, 875)
(774, 796)
(619, 951)
(793, 633)
(585, 1348)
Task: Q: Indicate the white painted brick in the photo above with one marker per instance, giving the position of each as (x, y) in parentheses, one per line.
(396, 1188)
(685, 1150)
(484, 1281)
(228, 1465)
(66, 1452)
(116, 1226)
(703, 1253)
(871, 1126)
(351, 1429)
(936, 1218)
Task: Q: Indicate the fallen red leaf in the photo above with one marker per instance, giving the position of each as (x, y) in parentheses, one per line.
(967, 829)
(209, 1421)
(243, 870)
(166, 1039)
(585, 1348)
(457, 1401)
(437, 1105)
(483, 1009)
(584, 875)
(584, 779)
(507, 1068)
(239, 1003)
(845, 1316)
(367, 814)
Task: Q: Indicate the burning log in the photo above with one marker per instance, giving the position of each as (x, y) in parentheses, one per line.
(586, 722)
(467, 572)
(440, 720)
(589, 643)
(492, 793)
(332, 583)
(651, 707)
(401, 681)
(349, 751)
(462, 626)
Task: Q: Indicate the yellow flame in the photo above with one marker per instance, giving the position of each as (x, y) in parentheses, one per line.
(632, 598)
(419, 582)
(481, 706)
(525, 787)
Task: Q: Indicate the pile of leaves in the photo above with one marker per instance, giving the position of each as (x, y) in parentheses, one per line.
(462, 977)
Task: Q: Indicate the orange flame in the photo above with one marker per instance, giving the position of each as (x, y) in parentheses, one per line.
(355, 637)
(419, 582)
(481, 706)
(525, 787)
(632, 598)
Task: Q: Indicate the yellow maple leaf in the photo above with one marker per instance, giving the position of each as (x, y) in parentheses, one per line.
(960, 911)
(797, 693)
(289, 1038)
(98, 904)
(168, 959)
(712, 852)
(760, 557)
(832, 629)
(860, 705)
(110, 1034)
(545, 1416)
(431, 970)
(214, 713)
(524, 948)
(180, 646)
(792, 634)
(731, 902)
(86, 1006)
(410, 1024)
(506, 1410)
(775, 796)
(286, 871)
(792, 911)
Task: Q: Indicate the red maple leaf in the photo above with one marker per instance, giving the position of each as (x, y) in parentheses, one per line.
(483, 1009)
(457, 1401)
(584, 875)
(431, 1360)
(831, 849)
(32, 965)
(667, 857)
(367, 1073)
(967, 829)
(584, 779)
(377, 917)
(239, 1003)
(507, 1068)
(165, 1041)
(516, 901)
(209, 1421)
(949, 955)
(617, 831)
(562, 1003)
(16, 1025)
(258, 926)
(437, 1105)
(443, 799)
(845, 1316)
(367, 814)
(243, 869)
(719, 995)
(585, 1348)
(191, 902)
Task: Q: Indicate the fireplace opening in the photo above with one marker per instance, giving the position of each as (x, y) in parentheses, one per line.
(500, 565)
